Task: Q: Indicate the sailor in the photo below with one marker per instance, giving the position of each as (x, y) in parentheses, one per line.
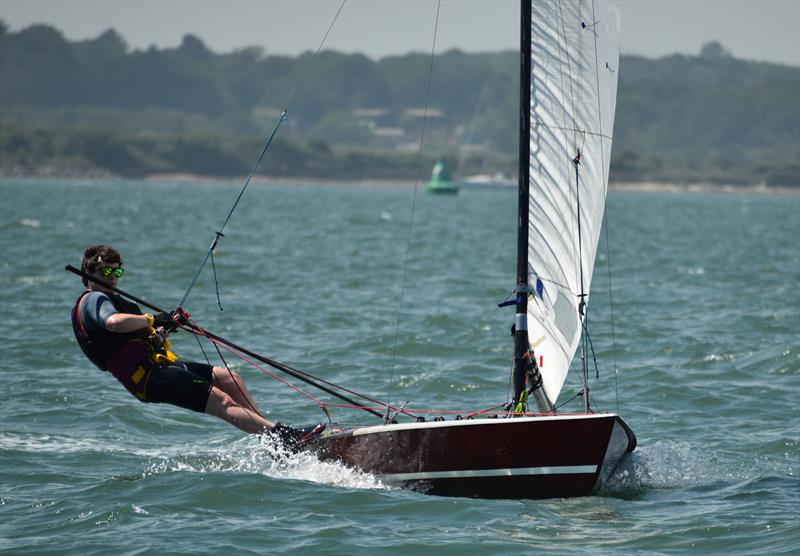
(117, 337)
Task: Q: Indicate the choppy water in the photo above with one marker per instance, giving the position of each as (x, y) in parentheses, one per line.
(706, 292)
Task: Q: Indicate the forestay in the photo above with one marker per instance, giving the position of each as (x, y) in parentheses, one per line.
(575, 50)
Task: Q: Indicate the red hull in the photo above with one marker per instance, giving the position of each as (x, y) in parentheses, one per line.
(529, 457)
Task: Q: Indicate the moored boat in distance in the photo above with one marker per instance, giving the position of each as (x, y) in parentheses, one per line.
(494, 181)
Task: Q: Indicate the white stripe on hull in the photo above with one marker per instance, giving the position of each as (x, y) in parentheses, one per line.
(478, 422)
(477, 473)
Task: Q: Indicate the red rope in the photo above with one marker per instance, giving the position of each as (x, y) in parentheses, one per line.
(267, 371)
(199, 331)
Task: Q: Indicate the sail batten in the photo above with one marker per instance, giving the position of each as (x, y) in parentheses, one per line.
(574, 53)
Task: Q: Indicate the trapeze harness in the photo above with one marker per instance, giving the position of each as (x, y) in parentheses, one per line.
(129, 356)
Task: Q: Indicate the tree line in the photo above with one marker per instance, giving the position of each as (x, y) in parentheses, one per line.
(96, 104)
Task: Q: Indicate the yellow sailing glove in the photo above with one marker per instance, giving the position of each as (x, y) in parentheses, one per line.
(150, 322)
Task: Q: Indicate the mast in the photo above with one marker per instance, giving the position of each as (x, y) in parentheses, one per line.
(526, 372)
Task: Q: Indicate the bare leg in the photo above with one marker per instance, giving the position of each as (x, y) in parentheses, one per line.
(233, 385)
(222, 405)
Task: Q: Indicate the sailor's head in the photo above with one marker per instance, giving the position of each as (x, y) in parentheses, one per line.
(102, 260)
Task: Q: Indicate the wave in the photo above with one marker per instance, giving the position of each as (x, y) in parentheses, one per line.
(669, 464)
(250, 455)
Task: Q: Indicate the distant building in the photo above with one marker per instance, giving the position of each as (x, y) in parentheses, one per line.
(373, 117)
(431, 113)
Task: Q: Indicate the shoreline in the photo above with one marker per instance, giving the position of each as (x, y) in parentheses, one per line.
(644, 186)
(662, 187)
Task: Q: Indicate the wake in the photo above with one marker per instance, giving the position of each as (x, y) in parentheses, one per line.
(262, 456)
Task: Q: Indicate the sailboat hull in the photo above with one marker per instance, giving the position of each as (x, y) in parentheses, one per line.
(527, 457)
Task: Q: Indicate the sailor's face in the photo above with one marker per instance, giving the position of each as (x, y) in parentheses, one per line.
(109, 274)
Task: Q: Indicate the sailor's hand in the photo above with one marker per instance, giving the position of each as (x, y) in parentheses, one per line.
(165, 321)
(180, 316)
(171, 321)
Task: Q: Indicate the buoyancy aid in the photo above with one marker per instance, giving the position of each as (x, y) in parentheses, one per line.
(129, 356)
(99, 344)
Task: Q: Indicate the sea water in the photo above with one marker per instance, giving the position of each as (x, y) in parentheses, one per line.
(694, 318)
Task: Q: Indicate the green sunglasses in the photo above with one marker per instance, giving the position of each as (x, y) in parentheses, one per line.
(107, 271)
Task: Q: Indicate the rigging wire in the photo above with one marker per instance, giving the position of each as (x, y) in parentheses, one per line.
(583, 310)
(411, 216)
(218, 234)
(611, 309)
(565, 402)
(605, 211)
(319, 383)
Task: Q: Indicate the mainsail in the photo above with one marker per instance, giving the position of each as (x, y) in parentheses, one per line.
(574, 55)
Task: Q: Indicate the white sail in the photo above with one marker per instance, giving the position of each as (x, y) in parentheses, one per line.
(575, 51)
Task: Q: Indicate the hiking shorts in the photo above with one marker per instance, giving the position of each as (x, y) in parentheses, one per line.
(183, 383)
